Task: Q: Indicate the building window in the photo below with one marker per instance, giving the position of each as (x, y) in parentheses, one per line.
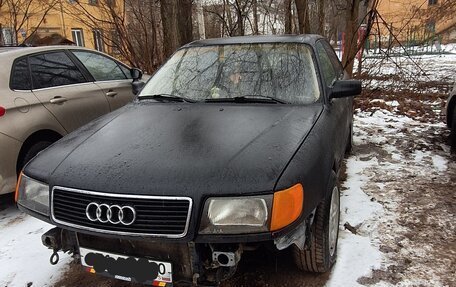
(432, 2)
(115, 42)
(8, 38)
(98, 40)
(78, 37)
(430, 26)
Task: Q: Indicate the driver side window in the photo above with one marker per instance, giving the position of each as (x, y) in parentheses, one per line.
(327, 69)
(100, 67)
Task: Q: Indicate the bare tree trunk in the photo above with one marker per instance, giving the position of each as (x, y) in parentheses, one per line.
(200, 16)
(229, 17)
(240, 31)
(303, 16)
(184, 22)
(288, 29)
(321, 16)
(255, 17)
(351, 35)
(1, 17)
(177, 24)
(168, 11)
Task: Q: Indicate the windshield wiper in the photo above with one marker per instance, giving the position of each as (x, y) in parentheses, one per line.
(166, 97)
(247, 99)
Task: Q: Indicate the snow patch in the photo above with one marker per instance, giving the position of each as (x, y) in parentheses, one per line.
(439, 162)
(23, 258)
(356, 258)
(356, 206)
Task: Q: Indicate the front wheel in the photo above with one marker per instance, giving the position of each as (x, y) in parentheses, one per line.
(322, 253)
(453, 130)
(349, 146)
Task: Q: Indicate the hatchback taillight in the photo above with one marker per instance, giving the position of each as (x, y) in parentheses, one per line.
(2, 111)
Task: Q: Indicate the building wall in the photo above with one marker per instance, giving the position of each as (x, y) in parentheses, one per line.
(61, 19)
(415, 21)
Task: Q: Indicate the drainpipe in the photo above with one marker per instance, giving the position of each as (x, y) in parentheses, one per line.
(62, 18)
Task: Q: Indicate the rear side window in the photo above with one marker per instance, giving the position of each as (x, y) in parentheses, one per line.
(20, 75)
(102, 68)
(54, 69)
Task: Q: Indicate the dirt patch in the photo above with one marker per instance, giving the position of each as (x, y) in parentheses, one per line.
(269, 268)
(77, 276)
(406, 103)
(262, 267)
(415, 182)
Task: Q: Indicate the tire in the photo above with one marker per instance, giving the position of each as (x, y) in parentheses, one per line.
(453, 130)
(349, 146)
(31, 152)
(321, 255)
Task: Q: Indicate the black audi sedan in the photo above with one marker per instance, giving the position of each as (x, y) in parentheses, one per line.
(233, 144)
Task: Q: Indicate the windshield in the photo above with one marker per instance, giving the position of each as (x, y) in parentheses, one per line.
(277, 70)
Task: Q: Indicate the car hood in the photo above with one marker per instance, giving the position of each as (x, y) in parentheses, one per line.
(151, 148)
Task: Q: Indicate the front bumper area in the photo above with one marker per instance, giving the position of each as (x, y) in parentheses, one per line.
(205, 264)
(180, 255)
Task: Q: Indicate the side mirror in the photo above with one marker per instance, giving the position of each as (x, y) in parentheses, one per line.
(137, 86)
(345, 88)
(136, 74)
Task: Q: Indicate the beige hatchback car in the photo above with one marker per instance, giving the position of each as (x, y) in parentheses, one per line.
(47, 92)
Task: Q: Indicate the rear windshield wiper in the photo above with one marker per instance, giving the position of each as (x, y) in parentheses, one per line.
(247, 99)
(166, 97)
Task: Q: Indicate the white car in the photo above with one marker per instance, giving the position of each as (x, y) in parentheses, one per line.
(47, 92)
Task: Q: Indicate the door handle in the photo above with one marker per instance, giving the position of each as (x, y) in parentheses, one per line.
(111, 93)
(58, 100)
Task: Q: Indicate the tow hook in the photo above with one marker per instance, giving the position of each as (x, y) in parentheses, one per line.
(54, 258)
(57, 240)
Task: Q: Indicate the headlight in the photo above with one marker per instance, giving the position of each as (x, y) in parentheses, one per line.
(33, 194)
(233, 215)
(250, 214)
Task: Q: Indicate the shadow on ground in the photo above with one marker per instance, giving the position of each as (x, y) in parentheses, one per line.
(257, 268)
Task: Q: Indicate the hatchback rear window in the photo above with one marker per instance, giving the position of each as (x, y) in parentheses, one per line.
(20, 76)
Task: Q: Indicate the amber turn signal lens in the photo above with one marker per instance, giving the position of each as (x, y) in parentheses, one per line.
(286, 206)
(16, 195)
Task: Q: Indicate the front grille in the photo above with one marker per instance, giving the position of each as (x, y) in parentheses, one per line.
(155, 216)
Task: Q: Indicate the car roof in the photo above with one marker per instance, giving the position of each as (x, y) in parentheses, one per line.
(21, 51)
(304, 38)
(6, 49)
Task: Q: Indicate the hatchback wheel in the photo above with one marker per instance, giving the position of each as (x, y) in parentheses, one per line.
(321, 254)
(453, 130)
(349, 146)
(31, 152)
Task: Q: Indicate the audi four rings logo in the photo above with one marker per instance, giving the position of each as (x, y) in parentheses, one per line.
(114, 214)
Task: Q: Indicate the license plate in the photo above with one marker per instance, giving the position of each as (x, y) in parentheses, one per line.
(127, 268)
